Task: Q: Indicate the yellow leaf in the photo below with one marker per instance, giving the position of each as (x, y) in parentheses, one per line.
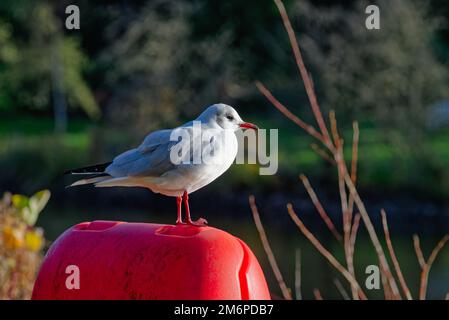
(34, 240)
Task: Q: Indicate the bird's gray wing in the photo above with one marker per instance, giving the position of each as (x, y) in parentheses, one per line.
(151, 158)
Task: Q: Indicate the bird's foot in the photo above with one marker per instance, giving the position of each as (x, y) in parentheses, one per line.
(201, 222)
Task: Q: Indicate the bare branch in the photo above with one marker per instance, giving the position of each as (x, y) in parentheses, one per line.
(354, 160)
(317, 294)
(323, 154)
(372, 233)
(346, 214)
(266, 245)
(346, 179)
(319, 207)
(341, 289)
(437, 250)
(419, 255)
(334, 262)
(426, 269)
(354, 229)
(350, 250)
(355, 150)
(298, 293)
(308, 84)
(334, 130)
(396, 265)
(286, 112)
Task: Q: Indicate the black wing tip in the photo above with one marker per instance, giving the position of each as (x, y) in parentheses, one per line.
(95, 169)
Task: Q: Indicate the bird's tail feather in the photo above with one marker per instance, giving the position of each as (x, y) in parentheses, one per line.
(95, 169)
(119, 182)
(89, 181)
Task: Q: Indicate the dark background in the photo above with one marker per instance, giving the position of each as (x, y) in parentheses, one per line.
(70, 98)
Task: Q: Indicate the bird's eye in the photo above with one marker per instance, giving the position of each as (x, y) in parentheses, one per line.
(229, 117)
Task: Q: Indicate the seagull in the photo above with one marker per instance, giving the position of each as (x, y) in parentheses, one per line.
(167, 161)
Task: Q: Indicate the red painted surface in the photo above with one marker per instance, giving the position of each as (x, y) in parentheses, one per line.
(119, 260)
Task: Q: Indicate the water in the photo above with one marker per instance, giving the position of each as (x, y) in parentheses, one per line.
(284, 237)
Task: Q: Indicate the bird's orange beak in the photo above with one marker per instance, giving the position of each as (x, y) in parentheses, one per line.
(247, 125)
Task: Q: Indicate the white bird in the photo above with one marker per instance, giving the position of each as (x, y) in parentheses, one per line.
(168, 165)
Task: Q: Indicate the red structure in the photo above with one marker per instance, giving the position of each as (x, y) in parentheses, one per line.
(119, 260)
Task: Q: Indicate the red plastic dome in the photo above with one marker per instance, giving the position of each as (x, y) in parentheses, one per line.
(119, 260)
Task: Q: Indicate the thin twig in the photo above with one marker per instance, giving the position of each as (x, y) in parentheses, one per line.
(308, 84)
(396, 265)
(266, 245)
(354, 229)
(341, 165)
(354, 160)
(355, 150)
(323, 154)
(334, 130)
(345, 213)
(341, 289)
(286, 112)
(426, 269)
(350, 255)
(419, 255)
(298, 293)
(388, 291)
(324, 251)
(437, 250)
(317, 294)
(373, 235)
(319, 207)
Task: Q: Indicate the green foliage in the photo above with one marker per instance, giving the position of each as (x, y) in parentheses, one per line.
(30, 36)
(151, 64)
(8, 55)
(78, 91)
(156, 71)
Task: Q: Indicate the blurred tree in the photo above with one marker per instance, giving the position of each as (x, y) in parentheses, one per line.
(156, 71)
(32, 47)
(390, 76)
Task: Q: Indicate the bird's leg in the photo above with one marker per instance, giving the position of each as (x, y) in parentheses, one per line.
(200, 222)
(185, 197)
(178, 206)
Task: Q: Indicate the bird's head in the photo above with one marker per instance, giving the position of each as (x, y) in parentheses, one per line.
(225, 117)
